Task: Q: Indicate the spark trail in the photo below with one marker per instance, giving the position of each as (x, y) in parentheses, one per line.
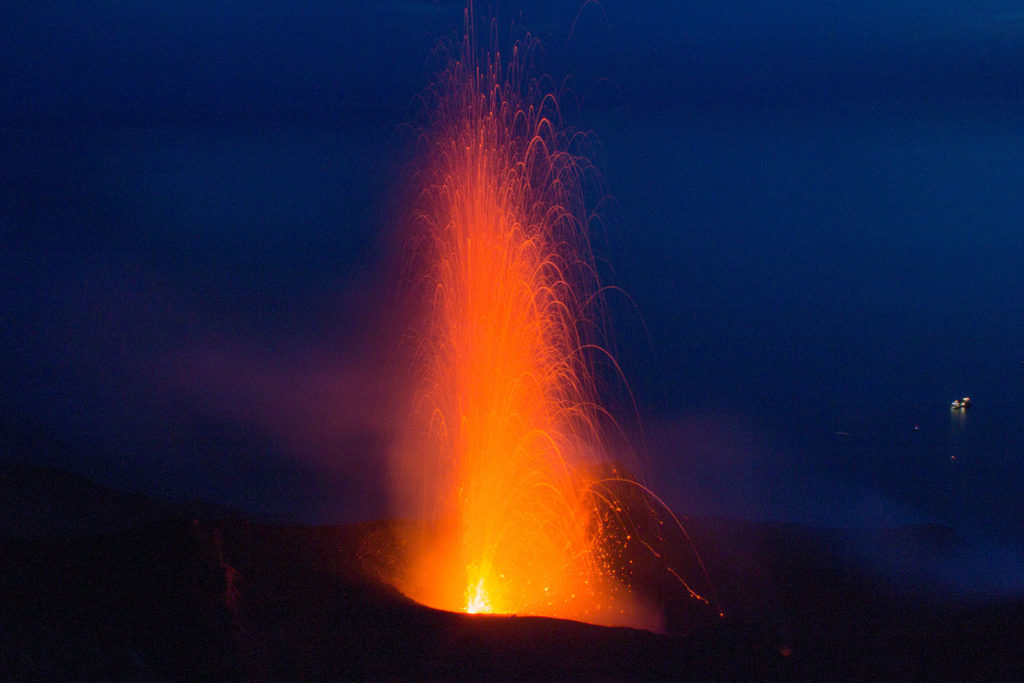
(507, 440)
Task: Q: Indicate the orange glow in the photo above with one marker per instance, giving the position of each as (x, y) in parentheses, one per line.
(478, 601)
(506, 437)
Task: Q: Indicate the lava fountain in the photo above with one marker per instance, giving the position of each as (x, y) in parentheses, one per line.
(506, 446)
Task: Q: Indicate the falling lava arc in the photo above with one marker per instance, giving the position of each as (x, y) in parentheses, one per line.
(506, 445)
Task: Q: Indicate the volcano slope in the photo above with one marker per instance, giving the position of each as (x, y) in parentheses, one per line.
(206, 592)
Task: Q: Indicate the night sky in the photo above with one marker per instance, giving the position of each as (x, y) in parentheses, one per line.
(815, 219)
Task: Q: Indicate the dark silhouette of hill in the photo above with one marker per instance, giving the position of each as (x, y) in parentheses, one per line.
(42, 501)
(39, 501)
(227, 599)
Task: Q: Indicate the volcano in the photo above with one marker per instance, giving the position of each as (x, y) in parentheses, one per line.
(231, 598)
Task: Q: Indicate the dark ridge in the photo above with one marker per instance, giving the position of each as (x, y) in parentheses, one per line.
(37, 501)
(40, 501)
(233, 599)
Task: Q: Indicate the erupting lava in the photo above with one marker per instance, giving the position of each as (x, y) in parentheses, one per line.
(506, 446)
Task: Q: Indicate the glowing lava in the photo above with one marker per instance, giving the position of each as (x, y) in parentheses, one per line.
(507, 437)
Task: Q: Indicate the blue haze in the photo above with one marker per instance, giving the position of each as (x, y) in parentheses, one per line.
(819, 210)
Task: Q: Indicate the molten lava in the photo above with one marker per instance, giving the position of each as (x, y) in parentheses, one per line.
(507, 436)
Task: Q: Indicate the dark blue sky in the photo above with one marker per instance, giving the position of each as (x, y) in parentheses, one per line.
(817, 218)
